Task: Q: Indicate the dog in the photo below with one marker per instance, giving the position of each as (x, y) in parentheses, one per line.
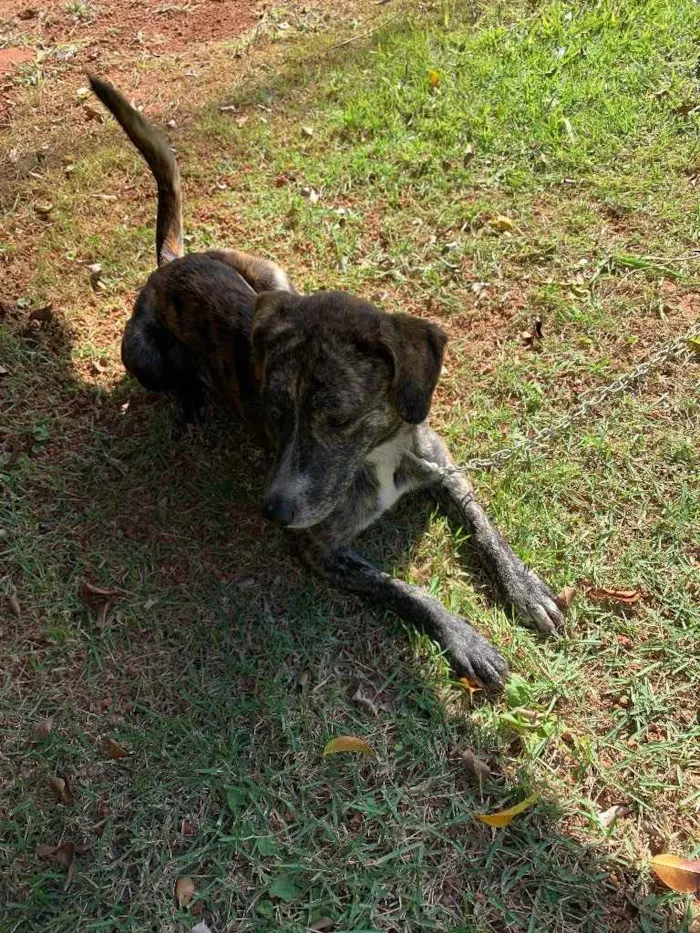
(337, 390)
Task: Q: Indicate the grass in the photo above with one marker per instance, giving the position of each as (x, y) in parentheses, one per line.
(221, 666)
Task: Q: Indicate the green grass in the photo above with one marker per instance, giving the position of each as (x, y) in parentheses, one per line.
(223, 667)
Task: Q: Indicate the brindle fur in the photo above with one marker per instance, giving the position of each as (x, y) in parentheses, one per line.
(338, 390)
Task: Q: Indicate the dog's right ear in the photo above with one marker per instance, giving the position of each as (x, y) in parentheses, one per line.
(270, 325)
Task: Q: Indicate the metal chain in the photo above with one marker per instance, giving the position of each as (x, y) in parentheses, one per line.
(589, 400)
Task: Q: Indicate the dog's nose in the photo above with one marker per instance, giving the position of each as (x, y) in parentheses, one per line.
(279, 509)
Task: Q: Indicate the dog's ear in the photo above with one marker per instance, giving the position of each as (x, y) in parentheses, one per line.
(416, 348)
(270, 323)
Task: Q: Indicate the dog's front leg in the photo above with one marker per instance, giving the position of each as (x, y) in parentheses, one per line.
(469, 653)
(518, 584)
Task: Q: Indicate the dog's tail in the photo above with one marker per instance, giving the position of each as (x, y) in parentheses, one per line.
(161, 160)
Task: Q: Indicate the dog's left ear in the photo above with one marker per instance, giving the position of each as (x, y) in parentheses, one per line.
(416, 348)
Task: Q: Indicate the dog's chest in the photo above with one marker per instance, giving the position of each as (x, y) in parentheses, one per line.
(384, 462)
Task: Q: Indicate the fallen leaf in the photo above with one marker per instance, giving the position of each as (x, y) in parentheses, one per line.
(171, 124)
(470, 686)
(626, 597)
(679, 874)
(475, 765)
(307, 130)
(501, 224)
(92, 113)
(61, 789)
(114, 749)
(89, 589)
(322, 924)
(201, 928)
(606, 818)
(3, 371)
(184, 891)
(284, 888)
(42, 729)
(504, 817)
(242, 120)
(44, 208)
(362, 700)
(566, 597)
(63, 854)
(434, 78)
(13, 603)
(693, 344)
(347, 743)
(82, 93)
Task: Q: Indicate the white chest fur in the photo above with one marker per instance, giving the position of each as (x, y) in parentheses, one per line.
(384, 461)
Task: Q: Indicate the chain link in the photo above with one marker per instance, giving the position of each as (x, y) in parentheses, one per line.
(589, 401)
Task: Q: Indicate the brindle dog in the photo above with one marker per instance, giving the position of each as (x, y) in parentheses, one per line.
(337, 389)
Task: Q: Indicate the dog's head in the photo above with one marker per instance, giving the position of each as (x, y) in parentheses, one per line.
(338, 377)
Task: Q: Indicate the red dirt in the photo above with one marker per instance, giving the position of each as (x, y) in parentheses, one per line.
(11, 57)
(150, 26)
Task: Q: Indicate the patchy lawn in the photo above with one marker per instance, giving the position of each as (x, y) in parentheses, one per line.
(213, 659)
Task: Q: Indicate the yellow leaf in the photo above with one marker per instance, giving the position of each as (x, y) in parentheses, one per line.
(504, 817)
(694, 344)
(502, 224)
(679, 874)
(184, 891)
(347, 743)
(434, 78)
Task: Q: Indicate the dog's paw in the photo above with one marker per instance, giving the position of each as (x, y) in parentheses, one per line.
(529, 595)
(470, 654)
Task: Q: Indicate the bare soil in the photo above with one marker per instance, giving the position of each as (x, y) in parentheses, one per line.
(148, 25)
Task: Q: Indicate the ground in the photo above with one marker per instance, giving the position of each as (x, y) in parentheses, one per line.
(479, 165)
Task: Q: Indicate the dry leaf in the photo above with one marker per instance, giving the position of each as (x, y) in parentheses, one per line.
(307, 130)
(184, 891)
(61, 789)
(347, 743)
(242, 120)
(42, 729)
(504, 817)
(679, 874)
(434, 78)
(13, 603)
(201, 928)
(606, 818)
(114, 749)
(3, 371)
(63, 854)
(322, 924)
(502, 224)
(470, 686)
(566, 597)
(44, 208)
(91, 590)
(626, 597)
(475, 765)
(362, 700)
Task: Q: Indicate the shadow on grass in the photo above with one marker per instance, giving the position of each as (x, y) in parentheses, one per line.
(223, 669)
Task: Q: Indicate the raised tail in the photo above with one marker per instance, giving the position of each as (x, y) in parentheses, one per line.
(161, 160)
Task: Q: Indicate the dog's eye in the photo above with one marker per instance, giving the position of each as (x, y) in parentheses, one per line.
(339, 422)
